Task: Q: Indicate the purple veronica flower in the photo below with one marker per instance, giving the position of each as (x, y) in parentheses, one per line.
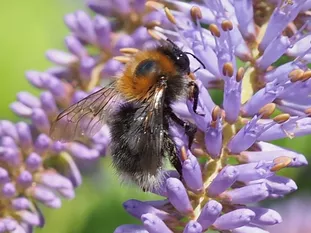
(296, 216)
(34, 168)
(212, 193)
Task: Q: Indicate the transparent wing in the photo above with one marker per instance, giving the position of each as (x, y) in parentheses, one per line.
(86, 117)
(153, 123)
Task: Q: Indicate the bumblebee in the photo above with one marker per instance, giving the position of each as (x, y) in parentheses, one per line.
(137, 109)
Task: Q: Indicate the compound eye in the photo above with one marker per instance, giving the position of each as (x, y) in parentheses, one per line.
(145, 68)
(183, 63)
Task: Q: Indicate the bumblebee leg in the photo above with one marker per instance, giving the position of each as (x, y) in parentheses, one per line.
(194, 94)
(190, 129)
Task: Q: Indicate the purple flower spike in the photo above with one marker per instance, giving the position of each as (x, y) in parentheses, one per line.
(192, 173)
(137, 209)
(178, 196)
(234, 219)
(223, 180)
(193, 227)
(153, 224)
(209, 214)
(130, 228)
(247, 194)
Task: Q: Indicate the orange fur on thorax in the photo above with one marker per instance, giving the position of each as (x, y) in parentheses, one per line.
(138, 88)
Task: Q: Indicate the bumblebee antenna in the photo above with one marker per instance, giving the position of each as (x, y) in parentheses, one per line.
(196, 58)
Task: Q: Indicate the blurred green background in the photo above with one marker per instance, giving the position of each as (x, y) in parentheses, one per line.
(28, 28)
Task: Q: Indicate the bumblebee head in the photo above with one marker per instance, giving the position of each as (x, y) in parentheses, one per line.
(178, 57)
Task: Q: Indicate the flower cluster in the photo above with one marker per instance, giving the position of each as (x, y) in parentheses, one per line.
(232, 164)
(34, 168)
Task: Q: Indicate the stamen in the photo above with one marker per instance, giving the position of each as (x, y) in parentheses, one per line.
(122, 59)
(267, 110)
(281, 162)
(214, 30)
(226, 25)
(216, 113)
(170, 16)
(308, 111)
(196, 13)
(281, 118)
(154, 5)
(156, 35)
(306, 75)
(228, 69)
(240, 74)
(129, 50)
(183, 154)
(152, 24)
(296, 75)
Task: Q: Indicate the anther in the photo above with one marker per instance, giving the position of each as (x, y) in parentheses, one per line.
(196, 13)
(240, 74)
(308, 111)
(129, 50)
(227, 69)
(280, 162)
(170, 16)
(183, 154)
(154, 5)
(122, 59)
(281, 118)
(216, 113)
(267, 110)
(226, 25)
(154, 34)
(214, 30)
(296, 75)
(152, 24)
(306, 75)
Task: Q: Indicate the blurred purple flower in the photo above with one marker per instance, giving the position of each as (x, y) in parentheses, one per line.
(35, 168)
(296, 216)
(239, 49)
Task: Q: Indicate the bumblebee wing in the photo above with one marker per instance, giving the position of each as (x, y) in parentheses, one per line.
(86, 117)
(153, 122)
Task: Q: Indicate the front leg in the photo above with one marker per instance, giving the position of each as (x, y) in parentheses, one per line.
(190, 129)
(194, 94)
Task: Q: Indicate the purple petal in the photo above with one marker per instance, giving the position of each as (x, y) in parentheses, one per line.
(248, 229)
(80, 151)
(209, 214)
(28, 99)
(25, 179)
(75, 46)
(178, 196)
(223, 181)
(4, 176)
(102, 29)
(24, 134)
(234, 219)
(192, 175)
(138, 208)
(153, 224)
(193, 227)
(247, 194)
(130, 228)
(29, 217)
(61, 58)
(21, 203)
(8, 190)
(265, 216)
(254, 171)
